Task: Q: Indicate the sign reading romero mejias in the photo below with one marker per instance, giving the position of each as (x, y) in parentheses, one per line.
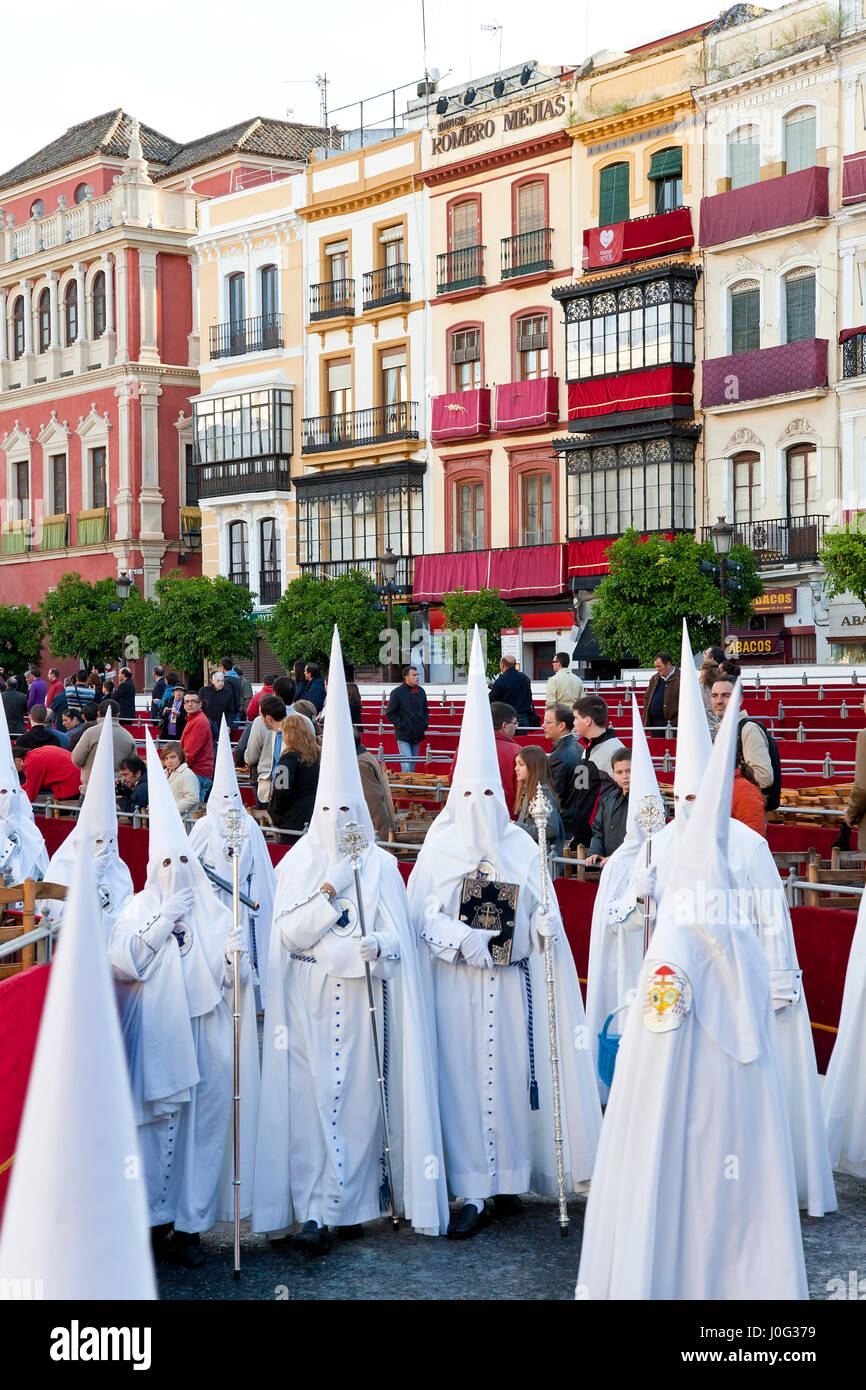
(457, 132)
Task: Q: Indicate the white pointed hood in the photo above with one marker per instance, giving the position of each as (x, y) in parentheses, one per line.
(694, 744)
(643, 782)
(225, 794)
(23, 854)
(76, 1214)
(339, 778)
(699, 927)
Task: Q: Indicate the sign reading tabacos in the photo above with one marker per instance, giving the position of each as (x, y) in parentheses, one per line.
(457, 132)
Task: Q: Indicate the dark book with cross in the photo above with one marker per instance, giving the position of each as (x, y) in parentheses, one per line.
(489, 906)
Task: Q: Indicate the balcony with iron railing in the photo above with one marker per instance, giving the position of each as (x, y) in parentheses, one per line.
(853, 343)
(460, 270)
(241, 577)
(332, 569)
(528, 253)
(332, 299)
(270, 588)
(377, 425)
(780, 541)
(230, 478)
(387, 285)
(234, 339)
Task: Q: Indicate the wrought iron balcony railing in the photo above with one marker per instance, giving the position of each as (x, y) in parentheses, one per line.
(854, 355)
(333, 299)
(387, 285)
(526, 254)
(783, 540)
(246, 335)
(269, 473)
(331, 569)
(270, 588)
(460, 270)
(375, 425)
(241, 577)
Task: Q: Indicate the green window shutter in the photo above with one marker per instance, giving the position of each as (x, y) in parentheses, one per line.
(745, 160)
(745, 321)
(799, 143)
(800, 308)
(667, 164)
(613, 203)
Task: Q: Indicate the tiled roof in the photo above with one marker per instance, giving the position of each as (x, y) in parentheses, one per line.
(259, 136)
(108, 134)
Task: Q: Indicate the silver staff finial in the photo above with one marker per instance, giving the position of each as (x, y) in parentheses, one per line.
(650, 815)
(236, 825)
(353, 840)
(540, 806)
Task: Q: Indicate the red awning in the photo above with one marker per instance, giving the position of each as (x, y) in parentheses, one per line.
(853, 178)
(847, 333)
(661, 234)
(527, 571)
(759, 207)
(523, 404)
(647, 390)
(461, 414)
(536, 622)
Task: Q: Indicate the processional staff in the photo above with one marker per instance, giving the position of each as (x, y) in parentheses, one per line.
(649, 818)
(237, 830)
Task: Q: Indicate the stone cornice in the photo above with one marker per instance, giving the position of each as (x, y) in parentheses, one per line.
(496, 158)
(638, 118)
(63, 387)
(353, 202)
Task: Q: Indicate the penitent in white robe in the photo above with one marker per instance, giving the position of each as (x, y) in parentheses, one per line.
(844, 1094)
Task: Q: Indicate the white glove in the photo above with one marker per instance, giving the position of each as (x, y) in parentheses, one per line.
(370, 946)
(545, 924)
(237, 940)
(474, 947)
(178, 906)
(645, 882)
(340, 876)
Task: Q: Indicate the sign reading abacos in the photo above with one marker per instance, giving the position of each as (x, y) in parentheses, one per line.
(458, 131)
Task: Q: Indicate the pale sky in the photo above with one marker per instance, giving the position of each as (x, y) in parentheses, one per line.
(188, 68)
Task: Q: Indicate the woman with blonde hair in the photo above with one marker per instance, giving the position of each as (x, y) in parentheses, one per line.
(296, 776)
(182, 780)
(531, 771)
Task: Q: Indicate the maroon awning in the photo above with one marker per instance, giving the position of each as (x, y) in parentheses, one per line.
(646, 390)
(759, 207)
(658, 235)
(461, 414)
(853, 178)
(774, 371)
(847, 333)
(526, 571)
(521, 405)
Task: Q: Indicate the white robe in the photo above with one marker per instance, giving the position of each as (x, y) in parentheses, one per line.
(256, 877)
(844, 1094)
(754, 871)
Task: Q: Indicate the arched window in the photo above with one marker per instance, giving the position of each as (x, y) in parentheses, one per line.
(745, 316)
(83, 192)
(613, 197)
(269, 577)
(237, 313)
(43, 315)
(269, 301)
(469, 499)
(239, 569)
(70, 312)
(800, 139)
(536, 509)
(802, 480)
(464, 351)
(800, 305)
(18, 328)
(745, 468)
(744, 156)
(99, 304)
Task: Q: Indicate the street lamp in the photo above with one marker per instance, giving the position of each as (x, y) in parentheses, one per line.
(123, 585)
(388, 564)
(722, 535)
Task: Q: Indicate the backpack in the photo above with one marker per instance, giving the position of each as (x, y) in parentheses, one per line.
(773, 793)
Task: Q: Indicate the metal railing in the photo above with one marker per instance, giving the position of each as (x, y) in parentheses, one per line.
(241, 577)
(527, 253)
(270, 473)
(330, 569)
(332, 299)
(460, 270)
(783, 540)
(854, 355)
(270, 588)
(387, 285)
(375, 425)
(235, 338)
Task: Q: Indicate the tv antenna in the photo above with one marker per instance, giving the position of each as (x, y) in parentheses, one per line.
(495, 28)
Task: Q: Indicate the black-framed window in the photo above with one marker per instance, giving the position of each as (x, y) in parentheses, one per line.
(99, 478)
(799, 305)
(190, 477)
(57, 467)
(249, 424)
(239, 567)
(647, 483)
(745, 317)
(269, 292)
(613, 197)
(666, 172)
(647, 324)
(43, 319)
(21, 487)
(18, 328)
(70, 312)
(237, 299)
(99, 304)
(355, 521)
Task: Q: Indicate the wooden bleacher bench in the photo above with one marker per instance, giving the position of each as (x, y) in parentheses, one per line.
(853, 877)
(23, 919)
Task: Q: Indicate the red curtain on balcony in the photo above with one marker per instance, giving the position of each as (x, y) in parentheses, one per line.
(774, 371)
(853, 178)
(591, 556)
(759, 207)
(631, 391)
(658, 235)
(522, 404)
(461, 414)
(21, 1000)
(527, 571)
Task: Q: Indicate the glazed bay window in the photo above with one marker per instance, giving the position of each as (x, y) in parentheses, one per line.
(243, 442)
(531, 347)
(348, 521)
(469, 515)
(647, 483)
(631, 327)
(465, 355)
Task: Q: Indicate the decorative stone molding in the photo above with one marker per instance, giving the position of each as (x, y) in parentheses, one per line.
(742, 439)
(797, 429)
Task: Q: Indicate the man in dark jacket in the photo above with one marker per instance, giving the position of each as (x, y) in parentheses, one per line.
(39, 734)
(157, 692)
(562, 761)
(15, 706)
(597, 746)
(407, 711)
(513, 688)
(608, 827)
(661, 705)
(124, 694)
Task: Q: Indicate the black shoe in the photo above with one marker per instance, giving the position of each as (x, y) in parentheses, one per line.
(507, 1204)
(313, 1239)
(350, 1232)
(187, 1249)
(159, 1239)
(467, 1221)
